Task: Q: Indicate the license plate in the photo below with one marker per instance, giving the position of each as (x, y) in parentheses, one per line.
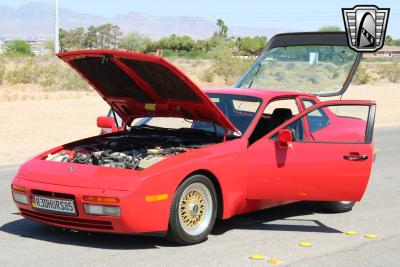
(54, 205)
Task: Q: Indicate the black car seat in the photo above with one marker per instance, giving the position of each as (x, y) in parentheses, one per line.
(279, 116)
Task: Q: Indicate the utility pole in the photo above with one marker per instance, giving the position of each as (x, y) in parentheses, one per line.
(56, 30)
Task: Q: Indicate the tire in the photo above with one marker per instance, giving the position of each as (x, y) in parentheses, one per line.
(338, 206)
(193, 211)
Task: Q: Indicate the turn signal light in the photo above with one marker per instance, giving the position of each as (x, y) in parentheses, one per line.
(156, 197)
(101, 199)
(18, 188)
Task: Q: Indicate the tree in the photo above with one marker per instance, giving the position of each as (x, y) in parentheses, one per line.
(91, 37)
(133, 42)
(329, 28)
(251, 46)
(18, 47)
(63, 35)
(222, 29)
(390, 41)
(116, 33)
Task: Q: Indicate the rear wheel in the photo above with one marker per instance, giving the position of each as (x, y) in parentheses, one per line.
(338, 206)
(193, 211)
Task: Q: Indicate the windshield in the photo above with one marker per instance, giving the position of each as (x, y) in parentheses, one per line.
(240, 110)
(312, 69)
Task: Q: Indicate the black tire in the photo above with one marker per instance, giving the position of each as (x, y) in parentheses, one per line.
(176, 232)
(338, 206)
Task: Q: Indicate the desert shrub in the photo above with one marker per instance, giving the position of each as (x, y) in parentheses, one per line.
(208, 75)
(48, 72)
(195, 63)
(228, 67)
(335, 75)
(2, 70)
(362, 76)
(313, 79)
(290, 66)
(57, 76)
(27, 73)
(390, 71)
(279, 76)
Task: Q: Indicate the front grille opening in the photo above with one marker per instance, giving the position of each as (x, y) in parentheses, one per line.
(66, 221)
(41, 193)
(52, 194)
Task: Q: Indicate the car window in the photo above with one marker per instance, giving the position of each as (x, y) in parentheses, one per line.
(313, 69)
(277, 112)
(308, 103)
(317, 120)
(334, 124)
(289, 103)
(239, 109)
(297, 128)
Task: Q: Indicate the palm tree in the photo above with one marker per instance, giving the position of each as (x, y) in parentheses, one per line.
(222, 29)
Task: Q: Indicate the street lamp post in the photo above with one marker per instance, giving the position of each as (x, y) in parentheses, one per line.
(56, 30)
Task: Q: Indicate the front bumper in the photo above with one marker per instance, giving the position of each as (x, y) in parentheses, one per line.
(137, 215)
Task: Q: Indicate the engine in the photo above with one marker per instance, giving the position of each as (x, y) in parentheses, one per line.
(133, 150)
(134, 158)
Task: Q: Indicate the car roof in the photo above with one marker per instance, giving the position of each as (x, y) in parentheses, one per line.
(265, 94)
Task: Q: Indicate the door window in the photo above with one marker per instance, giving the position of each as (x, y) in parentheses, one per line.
(277, 112)
(340, 123)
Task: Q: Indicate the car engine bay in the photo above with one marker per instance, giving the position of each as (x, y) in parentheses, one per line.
(131, 151)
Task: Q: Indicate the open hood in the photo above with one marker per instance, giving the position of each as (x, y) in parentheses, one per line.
(138, 85)
(320, 63)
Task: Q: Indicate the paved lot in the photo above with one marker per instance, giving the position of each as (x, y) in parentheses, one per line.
(273, 233)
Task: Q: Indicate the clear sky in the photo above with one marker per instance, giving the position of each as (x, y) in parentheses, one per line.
(287, 14)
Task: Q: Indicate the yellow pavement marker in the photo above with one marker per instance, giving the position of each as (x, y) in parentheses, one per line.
(305, 244)
(274, 261)
(370, 236)
(256, 257)
(351, 232)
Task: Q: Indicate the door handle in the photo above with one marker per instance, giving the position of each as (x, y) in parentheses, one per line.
(355, 157)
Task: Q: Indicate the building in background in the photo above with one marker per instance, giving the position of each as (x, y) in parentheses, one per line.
(388, 52)
(38, 45)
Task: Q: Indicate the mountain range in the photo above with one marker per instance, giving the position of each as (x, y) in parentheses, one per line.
(36, 19)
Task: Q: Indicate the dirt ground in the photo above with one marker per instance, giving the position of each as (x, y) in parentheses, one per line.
(29, 126)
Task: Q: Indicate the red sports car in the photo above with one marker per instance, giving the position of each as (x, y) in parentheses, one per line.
(188, 156)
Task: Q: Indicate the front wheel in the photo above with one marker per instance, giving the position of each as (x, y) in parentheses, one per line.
(193, 211)
(338, 206)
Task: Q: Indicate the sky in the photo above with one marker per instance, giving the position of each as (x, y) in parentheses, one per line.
(287, 14)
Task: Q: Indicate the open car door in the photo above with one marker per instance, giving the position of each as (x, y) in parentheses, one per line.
(320, 63)
(324, 153)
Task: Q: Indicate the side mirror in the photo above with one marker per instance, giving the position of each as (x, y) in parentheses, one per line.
(284, 137)
(105, 122)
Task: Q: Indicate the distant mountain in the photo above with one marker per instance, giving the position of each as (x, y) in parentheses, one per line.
(35, 19)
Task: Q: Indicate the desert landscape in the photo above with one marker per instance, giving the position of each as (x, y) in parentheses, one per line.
(34, 119)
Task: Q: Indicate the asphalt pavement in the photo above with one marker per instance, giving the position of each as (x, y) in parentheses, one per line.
(274, 233)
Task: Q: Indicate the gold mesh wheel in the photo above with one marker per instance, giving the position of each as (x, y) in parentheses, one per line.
(195, 208)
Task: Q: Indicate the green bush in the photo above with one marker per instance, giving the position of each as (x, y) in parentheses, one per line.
(18, 47)
(362, 76)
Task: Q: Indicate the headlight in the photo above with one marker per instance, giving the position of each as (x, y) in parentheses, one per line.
(102, 210)
(20, 197)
